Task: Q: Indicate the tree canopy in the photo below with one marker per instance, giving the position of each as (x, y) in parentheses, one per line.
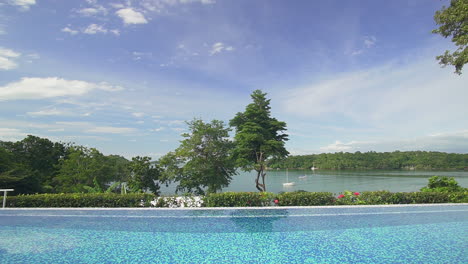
(144, 176)
(258, 137)
(83, 167)
(453, 21)
(203, 160)
(374, 160)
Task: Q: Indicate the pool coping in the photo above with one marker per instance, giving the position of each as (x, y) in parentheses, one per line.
(230, 208)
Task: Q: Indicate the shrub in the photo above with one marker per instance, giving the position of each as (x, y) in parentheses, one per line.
(442, 184)
(301, 198)
(80, 200)
(238, 199)
(376, 197)
(459, 197)
(349, 197)
(178, 201)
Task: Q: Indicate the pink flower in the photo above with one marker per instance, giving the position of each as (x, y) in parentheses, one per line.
(276, 201)
(356, 193)
(341, 196)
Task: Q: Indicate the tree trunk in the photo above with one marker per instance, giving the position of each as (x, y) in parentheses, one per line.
(260, 186)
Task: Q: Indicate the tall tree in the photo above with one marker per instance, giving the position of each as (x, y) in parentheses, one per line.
(143, 175)
(203, 160)
(259, 137)
(453, 21)
(81, 167)
(39, 156)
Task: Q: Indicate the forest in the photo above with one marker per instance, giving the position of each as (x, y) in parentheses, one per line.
(397, 160)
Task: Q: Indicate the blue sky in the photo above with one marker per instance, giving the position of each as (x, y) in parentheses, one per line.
(124, 76)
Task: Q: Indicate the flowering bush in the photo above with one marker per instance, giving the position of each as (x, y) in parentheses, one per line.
(349, 197)
(178, 201)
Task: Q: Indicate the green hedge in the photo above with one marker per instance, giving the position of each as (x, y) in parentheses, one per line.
(305, 198)
(386, 197)
(238, 199)
(80, 200)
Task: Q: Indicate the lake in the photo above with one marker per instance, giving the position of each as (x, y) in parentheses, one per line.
(338, 181)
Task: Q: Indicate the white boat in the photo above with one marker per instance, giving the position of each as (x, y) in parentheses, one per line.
(313, 168)
(287, 183)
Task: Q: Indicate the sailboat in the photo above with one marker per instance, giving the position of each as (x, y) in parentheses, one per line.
(287, 183)
(313, 167)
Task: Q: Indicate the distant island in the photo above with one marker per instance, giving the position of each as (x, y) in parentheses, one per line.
(397, 160)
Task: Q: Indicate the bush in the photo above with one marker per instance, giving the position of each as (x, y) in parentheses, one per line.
(376, 197)
(81, 200)
(442, 184)
(301, 198)
(238, 199)
(459, 197)
(349, 198)
(233, 199)
(178, 201)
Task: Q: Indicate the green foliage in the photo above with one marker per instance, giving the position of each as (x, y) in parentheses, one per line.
(238, 199)
(144, 176)
(376, 197)
(453, 21)
(21, 179)
(374, 160)
(442, 184)
(258, 137)
(80, 200)
(385, 197)
(305, 198)
(203, 159)
(80, 168)
(348, 198)
(36, 156)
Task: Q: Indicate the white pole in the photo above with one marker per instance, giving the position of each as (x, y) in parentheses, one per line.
(4, 198)
(5, 195)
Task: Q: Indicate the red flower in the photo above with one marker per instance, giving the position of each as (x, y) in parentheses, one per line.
(276, 201)
(341, 196)
(356, 193)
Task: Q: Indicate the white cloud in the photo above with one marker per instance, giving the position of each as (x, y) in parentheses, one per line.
(357, 52)
(111, 130)
(130, 16)
(205, 2)
(9, 53)
(23, 4)
(94, 29)
(92, 11)
(369, 41)
(7, 57)
(219, 47)
(138, 114)
(418, 95)
(7, 64)
(446, 142)
(39, 88)
(117, 5)
(11, 132)
(339, 146)
(48, 112)
(69, 30)
(159, 129)
(115, 32)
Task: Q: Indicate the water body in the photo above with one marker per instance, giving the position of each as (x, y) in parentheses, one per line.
(369, 234)
(338, 181)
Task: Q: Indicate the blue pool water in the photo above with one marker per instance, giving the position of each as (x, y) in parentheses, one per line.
(370, 234)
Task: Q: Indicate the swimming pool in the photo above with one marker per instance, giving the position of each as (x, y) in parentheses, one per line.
(348, 234)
